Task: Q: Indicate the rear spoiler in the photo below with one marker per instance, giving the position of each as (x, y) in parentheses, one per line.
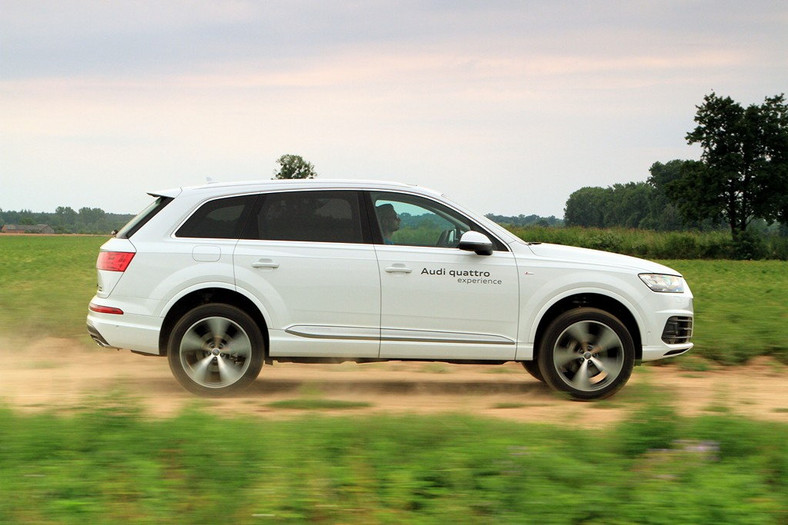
(171, 193)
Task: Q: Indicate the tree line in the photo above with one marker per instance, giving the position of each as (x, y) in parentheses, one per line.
(739, 184)
(66, 220)
(650, 205)
(521, 221)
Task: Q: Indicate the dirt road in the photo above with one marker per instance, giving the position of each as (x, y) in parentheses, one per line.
(60, 375)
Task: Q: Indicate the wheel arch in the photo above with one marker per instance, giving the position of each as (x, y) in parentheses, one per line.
(210, 296)
(591, 300)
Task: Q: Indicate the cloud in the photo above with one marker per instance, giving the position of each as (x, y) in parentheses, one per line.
(529, 99)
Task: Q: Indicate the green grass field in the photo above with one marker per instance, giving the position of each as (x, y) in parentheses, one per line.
(741, 306)
(46, 284)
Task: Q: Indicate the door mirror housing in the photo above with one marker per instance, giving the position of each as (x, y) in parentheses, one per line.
(476, 242)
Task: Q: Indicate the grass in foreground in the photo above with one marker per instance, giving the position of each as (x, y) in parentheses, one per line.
(107, 465)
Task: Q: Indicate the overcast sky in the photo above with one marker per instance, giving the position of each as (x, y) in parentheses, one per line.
(506, 106)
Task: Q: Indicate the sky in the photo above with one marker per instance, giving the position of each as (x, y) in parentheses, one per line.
(506, 106)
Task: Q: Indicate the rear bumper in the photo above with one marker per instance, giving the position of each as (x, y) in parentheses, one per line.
(133, 332)
(97, 337)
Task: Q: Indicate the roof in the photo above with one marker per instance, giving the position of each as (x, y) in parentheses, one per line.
(274, 184)
(27, 228)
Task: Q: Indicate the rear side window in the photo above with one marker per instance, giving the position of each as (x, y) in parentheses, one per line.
(144, 216)
(317, 216)
(219, 219)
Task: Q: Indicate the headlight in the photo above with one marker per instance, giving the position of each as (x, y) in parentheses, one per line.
(659, 282)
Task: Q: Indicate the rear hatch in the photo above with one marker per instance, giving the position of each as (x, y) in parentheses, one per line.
(114, 258)
(115, 255)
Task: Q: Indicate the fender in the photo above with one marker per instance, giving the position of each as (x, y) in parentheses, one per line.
(537, 302)
(164, 307)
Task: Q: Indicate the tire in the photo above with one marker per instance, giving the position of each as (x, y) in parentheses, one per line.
(532, 367)
(587, 353)
(216, 350)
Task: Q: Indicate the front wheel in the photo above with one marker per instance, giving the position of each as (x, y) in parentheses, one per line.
(215, 350)
(587, 353)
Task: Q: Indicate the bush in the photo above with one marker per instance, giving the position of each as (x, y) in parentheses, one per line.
(663, 245)
(653, 426)
(606, 240)
(749, 245)
(683, 245)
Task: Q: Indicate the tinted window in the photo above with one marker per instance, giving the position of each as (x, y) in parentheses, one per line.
(219, 219)
(318, 216)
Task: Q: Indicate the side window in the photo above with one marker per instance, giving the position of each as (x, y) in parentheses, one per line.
(415, 221)
(317, 216)
(219, 219)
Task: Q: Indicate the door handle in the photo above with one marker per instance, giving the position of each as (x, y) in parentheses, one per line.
(398, 268)
(265, 263)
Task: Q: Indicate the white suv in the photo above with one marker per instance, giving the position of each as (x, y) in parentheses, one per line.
(224, 277)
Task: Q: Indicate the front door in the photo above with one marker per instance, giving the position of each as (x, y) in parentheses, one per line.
(439, 302)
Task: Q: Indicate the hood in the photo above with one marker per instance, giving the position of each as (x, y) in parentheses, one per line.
(558, 252)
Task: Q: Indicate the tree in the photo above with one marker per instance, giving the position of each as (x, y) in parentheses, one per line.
(65, 219)
(624, 205)
(586, 207)
(628, 204)
(743, 171)
(294, 167)
(664, 215)
(775, 137)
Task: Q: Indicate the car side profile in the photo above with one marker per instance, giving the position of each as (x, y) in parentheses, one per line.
(223, 278)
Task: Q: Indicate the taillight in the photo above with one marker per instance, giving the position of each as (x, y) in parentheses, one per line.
(114, 261)
(105, 309)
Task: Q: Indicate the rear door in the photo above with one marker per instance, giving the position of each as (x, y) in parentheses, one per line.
(308, 261)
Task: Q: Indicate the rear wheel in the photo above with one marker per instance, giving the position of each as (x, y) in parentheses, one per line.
(215, 350)
(588, 353)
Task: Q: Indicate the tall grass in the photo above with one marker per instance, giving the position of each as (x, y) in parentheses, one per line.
(658, 245)
(108, 465)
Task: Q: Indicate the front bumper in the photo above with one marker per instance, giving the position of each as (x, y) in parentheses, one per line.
(675, 338)
(654, 352)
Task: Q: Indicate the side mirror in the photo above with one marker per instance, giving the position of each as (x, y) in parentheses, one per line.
(476, 242)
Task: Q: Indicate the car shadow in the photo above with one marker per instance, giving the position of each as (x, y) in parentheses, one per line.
(264, 386)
